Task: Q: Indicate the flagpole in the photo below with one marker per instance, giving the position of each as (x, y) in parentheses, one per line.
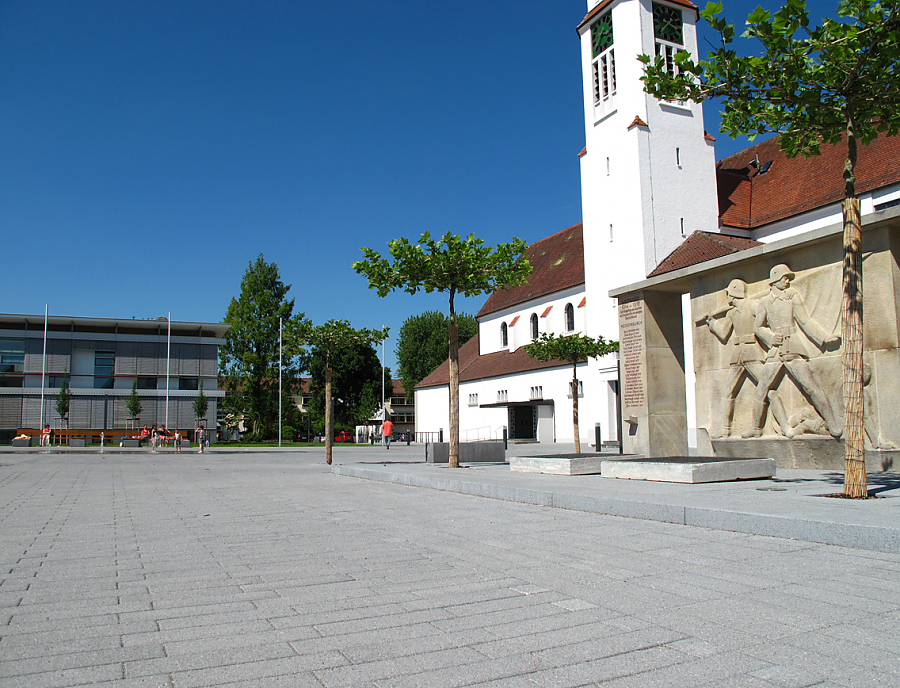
(279, 382)
(168, 355)
(44, 367)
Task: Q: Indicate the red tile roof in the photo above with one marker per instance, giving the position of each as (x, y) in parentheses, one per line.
(790, 186)
(557, 263)
(700, 247)
(637, 122)
(475, 367)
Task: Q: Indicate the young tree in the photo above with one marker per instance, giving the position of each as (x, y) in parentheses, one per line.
(330, 341)
(133, 404)
(825, 85)
(201, 404)
(356, 383)
(451, 265)
(422, 345)
(248, 361)
(64, 400)
(572, 349)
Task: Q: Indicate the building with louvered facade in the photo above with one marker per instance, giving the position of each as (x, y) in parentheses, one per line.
(102, 359)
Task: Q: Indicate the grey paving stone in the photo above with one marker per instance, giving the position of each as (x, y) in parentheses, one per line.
(392, 585)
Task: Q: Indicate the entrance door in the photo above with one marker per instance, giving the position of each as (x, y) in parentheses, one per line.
(522, 422)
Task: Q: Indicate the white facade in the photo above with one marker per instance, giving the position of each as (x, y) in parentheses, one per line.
(549, 313)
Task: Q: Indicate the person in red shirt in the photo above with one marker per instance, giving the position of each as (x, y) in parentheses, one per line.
(387, 429)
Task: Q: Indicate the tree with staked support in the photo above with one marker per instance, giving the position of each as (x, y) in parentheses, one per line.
(838, 83)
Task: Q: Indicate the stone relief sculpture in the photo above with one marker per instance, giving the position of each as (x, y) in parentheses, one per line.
(779, 315)
(764, 344)
(734, 328)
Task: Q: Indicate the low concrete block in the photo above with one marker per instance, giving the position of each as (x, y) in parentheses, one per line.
(555, 465)
(76, 442)
(26, 442)
(131, 443)
(689, 469)
(490, 451)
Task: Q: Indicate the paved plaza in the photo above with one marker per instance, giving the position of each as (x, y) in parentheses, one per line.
(268, 569)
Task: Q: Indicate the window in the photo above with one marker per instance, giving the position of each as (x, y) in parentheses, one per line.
(580, 389)
(669, 32)
(146, 383)
(534, 326)
(604, 63)
(537, 392)
(504, 335)
(104, 367)
(678, 157)
(570, 317)
(12, 356)
(188, 384)
(56, 381)
(610, 233)
(473, 400)
(502, 396)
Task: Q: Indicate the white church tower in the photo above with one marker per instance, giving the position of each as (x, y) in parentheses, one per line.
(648, 168)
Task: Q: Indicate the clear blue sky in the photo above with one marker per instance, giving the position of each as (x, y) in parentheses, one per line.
(150, 150)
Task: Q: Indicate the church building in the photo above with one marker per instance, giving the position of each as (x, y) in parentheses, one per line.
(654, 200)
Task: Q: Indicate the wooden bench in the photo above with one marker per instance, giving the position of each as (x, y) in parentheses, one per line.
(110, 436)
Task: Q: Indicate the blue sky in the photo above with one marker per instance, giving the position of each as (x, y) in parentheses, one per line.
(150, 150)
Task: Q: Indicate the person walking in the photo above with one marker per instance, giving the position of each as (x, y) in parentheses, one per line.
(201, 438)
(387, 430)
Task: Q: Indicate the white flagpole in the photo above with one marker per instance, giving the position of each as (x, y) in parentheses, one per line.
(279, 382)
(44, 367)
(168, 354)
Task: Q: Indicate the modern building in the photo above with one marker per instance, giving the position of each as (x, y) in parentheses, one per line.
(653, 200)
(102, 359)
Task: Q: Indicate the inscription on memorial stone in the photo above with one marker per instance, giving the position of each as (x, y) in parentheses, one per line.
(631, 326)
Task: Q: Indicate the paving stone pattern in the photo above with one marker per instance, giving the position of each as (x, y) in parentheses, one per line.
(268, 570)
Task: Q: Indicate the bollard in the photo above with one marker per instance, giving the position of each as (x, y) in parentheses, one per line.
(598, 437)
(505, 440)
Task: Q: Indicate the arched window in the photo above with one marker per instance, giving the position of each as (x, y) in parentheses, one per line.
(504, 337)
(570, 318)
(534, 326)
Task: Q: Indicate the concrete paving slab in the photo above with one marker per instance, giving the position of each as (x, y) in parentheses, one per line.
(268, 569)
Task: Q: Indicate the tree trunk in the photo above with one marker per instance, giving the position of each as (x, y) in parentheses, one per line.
(329, 420)
(852, 333)
(454, 388)
(852, 356)
(575, 409)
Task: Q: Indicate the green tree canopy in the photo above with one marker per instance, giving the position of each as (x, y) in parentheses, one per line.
(64, 399)
(572, 349)
(248, 361)
(451, 265)
(422, 345)
(134, 404)
(838, 83)
(331, 342)
(201, 403)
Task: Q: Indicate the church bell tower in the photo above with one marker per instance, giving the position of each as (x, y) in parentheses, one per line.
(648, 168)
